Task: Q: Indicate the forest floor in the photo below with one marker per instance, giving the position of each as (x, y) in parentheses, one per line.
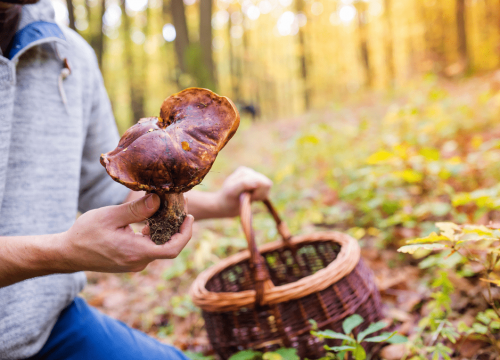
(382, 168)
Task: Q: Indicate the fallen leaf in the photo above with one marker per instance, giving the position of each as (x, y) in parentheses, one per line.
(470, 347)
(393, 352)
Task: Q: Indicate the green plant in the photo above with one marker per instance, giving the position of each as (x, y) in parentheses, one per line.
(435, 329)
(472, 243)
(486, 327)
(280, 354)
(198, 356)
(353, 344)
(475, 243)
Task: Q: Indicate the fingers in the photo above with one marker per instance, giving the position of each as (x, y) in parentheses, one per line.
(135, 211)
(246, 179)
(261, 191)
(175, 245)
(146, 231)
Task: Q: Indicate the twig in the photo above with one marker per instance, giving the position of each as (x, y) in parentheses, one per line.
(491, 301)
(436, 334)
(494, 342)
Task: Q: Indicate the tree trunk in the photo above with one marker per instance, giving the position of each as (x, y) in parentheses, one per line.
(135, 88)
(389, 50)
(498, 27)
(71, 14)
(181, 31)
(423, 15)
(461, 32)
(142, 75)
(303, 59)
(206, 38)
(99, 48)
(235, 87)
(88, 35)
(363, 44)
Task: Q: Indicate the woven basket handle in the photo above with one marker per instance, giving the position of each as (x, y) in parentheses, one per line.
(257, 262)
(280, 224)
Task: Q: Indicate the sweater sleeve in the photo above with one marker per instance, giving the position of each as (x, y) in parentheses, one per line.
(97, 188)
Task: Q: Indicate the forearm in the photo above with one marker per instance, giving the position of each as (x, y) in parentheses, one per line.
(205, 205)
(99, 240)
(226, 201)
(24, 257)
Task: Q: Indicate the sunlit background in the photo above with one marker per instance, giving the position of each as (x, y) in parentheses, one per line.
(379, 119)
(281, 57)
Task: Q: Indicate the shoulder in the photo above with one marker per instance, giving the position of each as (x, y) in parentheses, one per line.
(78, 50)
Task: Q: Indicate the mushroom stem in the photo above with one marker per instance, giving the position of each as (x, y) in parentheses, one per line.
(168, 219)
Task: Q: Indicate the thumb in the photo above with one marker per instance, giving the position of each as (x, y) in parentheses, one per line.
(136, 211)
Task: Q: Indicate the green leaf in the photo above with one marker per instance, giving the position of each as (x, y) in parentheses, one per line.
(314, 324)
(397, 339)
(371, 329)
(379, 156)
(247, 355)
(463, 328)
(495, 325)
(181, 311)
(448, 229)
(272, 356)
(443, 351)
(329, 334)
(483, 318)
(351, 322)
(339, 348)
(430, 154)
(480, 328)
(410, 249)
(311, 139)
(440, 208)
(381, 338)
(431, 238)
(288, 353)
(491, 314)
(359, 353)
(197, 356)
(461, 199)
(409, 175)
(480, 230)
(450, 334)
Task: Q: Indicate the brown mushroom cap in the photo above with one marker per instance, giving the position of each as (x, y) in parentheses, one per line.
(173, 153)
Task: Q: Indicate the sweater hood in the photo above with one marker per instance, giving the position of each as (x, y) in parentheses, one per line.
(41, 11)
(37, 26)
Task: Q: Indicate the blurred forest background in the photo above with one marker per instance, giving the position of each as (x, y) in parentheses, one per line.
(281, 56)
(378, 118)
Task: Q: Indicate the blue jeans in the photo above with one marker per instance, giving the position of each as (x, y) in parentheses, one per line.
(83, 333)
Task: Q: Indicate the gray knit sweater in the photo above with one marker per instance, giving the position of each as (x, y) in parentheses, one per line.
(51, 137)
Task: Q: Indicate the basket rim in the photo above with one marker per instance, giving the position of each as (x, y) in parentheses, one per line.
(344, 263)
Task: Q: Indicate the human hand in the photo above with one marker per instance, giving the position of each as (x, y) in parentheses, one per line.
(243, 179)
(102, 240)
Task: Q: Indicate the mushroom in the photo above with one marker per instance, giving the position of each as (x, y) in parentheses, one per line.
(170, 154)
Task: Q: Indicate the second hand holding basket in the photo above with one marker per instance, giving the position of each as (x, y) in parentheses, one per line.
(264, 299)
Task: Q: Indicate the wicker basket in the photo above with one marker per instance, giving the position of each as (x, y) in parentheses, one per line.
(264, 299)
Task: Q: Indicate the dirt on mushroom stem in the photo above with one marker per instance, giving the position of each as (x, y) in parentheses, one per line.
(168, 219)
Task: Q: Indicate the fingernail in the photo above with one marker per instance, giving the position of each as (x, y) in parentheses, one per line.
(150, 202)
